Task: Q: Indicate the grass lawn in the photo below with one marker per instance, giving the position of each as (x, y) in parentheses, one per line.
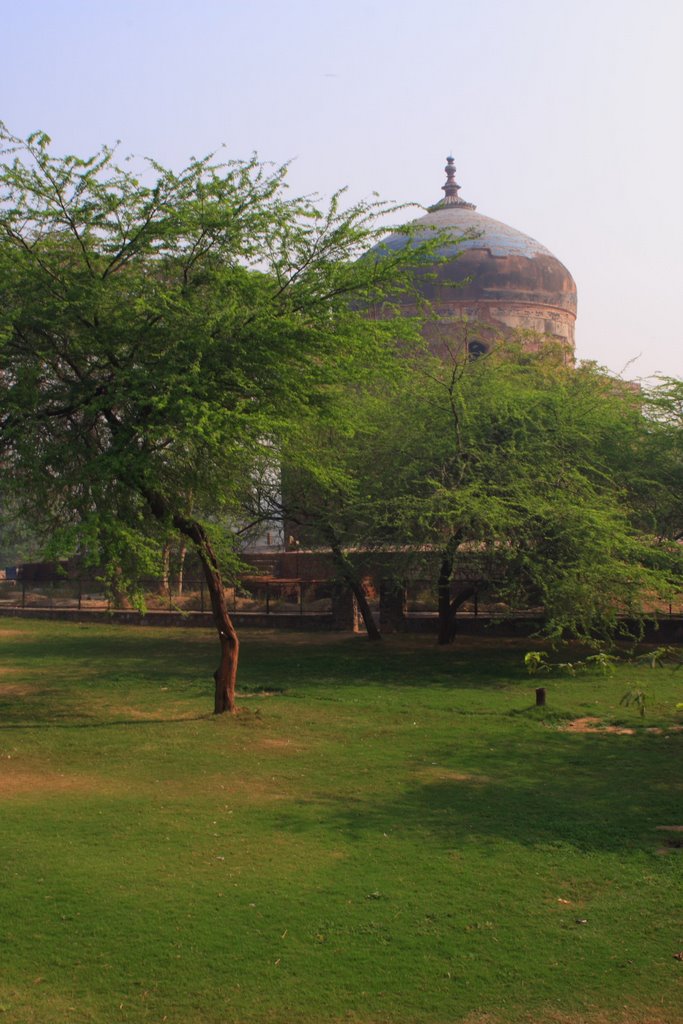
(384, 835)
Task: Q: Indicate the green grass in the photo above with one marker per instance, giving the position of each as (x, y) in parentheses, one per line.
(387, 834)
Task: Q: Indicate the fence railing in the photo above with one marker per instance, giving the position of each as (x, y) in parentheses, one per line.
(253, 596)
(262, 597)
(421, 598)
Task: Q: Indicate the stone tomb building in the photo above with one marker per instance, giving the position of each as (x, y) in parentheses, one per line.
(512, 283)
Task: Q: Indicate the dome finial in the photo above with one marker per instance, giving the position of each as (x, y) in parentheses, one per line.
(451, 189)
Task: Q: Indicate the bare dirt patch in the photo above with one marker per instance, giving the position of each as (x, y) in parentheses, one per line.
(134, 714)
(257, 790)
(17, 689)
(21, 782)
(280, 744)
(432, 773)
(590, 724)
(225, 787)
(606, 1017)
(553, 1016)
(258, 693)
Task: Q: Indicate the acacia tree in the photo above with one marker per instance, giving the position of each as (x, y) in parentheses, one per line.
(160, 335)
(329, 498)
(509, 473)
(653, 462)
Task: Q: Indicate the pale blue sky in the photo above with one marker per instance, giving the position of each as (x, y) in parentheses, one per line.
(564, 119)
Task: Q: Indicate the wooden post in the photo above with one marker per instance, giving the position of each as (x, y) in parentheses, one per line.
(540, 697)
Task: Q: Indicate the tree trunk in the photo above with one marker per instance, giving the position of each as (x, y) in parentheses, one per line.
(448, 606)
(447, 623)
(166, 567)
(349, 575)
(366, 611)
(448, 626)
(119, 596)
(225, 676)
(181, 569)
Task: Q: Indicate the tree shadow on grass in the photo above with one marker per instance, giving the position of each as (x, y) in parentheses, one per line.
(100, 723)
(57, 708)
(419, 665)
(588, 792)
(109, 654)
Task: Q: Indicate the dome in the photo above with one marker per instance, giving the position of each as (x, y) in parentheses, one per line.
(505, 279)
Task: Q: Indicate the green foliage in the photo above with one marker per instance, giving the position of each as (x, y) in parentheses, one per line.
(655, 470)
(661, 656)
(637, 698)
(18, 541)
(602, 663)
(536, 661)
(502, 471)
(162, 335)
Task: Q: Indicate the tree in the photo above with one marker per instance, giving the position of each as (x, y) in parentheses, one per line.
(18, 543)
(508, 471)
(326, 496)
(655, 472)
(161, 334)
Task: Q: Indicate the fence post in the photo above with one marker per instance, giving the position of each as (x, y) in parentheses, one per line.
(23, 593)
(476, 603)
(267, 598)
(80, 592)
(301, 598)
(201, 594)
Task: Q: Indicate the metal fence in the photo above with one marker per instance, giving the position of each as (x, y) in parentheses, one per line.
(256, 596)
(261, 597)
(421, 599)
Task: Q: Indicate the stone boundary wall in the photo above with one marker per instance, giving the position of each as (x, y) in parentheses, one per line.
(665, 631)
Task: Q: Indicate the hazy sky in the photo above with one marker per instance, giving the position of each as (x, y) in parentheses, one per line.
(564, 119)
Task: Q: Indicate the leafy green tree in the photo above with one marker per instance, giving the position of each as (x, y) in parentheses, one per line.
(161, 334)
(508, 473)
(657, 486)
(332, 498)
(18, 543)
